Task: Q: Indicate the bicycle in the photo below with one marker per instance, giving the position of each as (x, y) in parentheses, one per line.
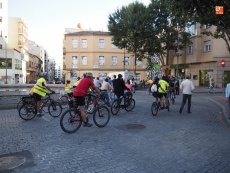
(171, 95)
(157, 106)
(116, 104)
(28, 111)
(65, 100)
(71, 120)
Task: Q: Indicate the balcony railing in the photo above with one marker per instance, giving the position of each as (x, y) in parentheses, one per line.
(23, 31)
(22, 44)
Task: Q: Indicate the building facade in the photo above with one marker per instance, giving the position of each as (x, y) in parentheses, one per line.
(93, 51)
(202, 59)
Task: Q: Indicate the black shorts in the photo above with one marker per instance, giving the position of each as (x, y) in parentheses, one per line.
(37, 97)
(160, 95)
(155, 94)
(80, 100)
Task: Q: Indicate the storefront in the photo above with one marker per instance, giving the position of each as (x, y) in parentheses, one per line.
(205, 77)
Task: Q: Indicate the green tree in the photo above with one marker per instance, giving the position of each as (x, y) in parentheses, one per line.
(127, 26)
(203, 12)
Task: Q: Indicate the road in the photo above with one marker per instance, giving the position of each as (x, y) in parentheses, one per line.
(132, 142)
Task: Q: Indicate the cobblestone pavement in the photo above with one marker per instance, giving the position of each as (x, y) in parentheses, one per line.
(170, 142)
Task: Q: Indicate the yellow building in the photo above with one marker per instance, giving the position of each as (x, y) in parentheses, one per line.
(93, 51)
(202, 59)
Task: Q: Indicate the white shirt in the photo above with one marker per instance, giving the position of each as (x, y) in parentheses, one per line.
(96, 83)
(187, 86)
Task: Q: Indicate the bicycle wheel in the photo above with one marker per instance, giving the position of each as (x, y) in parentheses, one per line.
(19, 105)
(55, 109)
(168, 105)
(64, 100)
(154, 108)
(101, 116)
(115, 107)
(70, 121)
(130, 105)
(27, 112)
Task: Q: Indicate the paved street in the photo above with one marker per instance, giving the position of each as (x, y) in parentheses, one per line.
(132, 142)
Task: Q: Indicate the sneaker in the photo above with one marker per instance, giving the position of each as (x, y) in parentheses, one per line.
(40, 115)
(87, 125)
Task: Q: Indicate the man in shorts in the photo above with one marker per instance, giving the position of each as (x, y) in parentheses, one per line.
(80, 92)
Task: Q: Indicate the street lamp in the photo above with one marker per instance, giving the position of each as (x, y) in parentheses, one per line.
(6, 58)
(177, 53)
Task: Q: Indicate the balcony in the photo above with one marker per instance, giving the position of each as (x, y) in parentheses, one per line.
(23, 45)
(64, 51)
(23, 32)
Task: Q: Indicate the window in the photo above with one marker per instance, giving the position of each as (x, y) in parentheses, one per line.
(101, 60)
(0, 19)
(0, 46)
(0, 5)
(74, 43)
(18, 64)
(113, 46)
(190, 49)
(0, 33)
(207, 26)
(84, 43)
(114, 60)
(101, 43)
(207, 46)
(84, 60)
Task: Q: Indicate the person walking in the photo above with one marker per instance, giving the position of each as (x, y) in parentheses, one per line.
(187, 86)
(212, 87)
(227, 94)
(177, 86)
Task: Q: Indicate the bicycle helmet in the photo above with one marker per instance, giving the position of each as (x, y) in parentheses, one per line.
(43, 74)
(68, 81)
(156, 78)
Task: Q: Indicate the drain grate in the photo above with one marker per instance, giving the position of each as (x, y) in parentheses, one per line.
(135, 126)
(11, 162)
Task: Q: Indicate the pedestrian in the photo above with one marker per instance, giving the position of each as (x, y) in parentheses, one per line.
(187, 86)
(227, 93)
(212, 87)
(177, 86)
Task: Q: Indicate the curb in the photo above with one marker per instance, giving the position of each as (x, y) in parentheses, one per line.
(223, 109)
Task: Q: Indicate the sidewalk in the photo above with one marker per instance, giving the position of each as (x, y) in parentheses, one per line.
(218, 100)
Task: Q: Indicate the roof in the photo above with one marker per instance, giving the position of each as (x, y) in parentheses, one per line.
(89, 33)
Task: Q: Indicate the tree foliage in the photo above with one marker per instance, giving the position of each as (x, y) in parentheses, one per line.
(147, 30)
(203, 12)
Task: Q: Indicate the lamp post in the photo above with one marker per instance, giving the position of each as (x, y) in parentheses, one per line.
(177, 54)
(6, 58)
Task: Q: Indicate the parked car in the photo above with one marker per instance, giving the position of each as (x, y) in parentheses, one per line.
(58, 82)
(32, 82)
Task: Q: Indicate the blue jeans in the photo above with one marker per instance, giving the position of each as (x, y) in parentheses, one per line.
(106, 95)
(124, 98)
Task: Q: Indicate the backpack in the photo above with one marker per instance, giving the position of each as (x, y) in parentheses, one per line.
(154, 88)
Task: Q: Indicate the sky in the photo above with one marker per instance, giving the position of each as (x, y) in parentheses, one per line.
(47, 19)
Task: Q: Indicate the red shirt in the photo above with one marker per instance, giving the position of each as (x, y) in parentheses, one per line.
(83, 86)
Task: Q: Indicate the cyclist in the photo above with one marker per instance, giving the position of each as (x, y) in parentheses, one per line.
(80, 92)
(68, 88)
(40, 91)
(154, 89)
(119, 88)
(76, 83)
(162, 90)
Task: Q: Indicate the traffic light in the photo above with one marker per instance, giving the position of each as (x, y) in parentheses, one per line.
(222, 63)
